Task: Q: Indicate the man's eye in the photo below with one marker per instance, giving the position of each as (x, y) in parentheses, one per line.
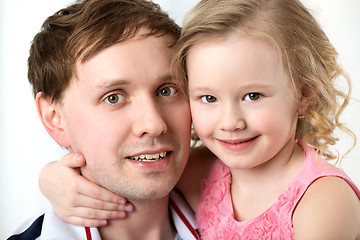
(208, 99)
(167, 91)
(252, 96)
(114, 98)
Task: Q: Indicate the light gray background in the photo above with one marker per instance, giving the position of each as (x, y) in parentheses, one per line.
(24, 144)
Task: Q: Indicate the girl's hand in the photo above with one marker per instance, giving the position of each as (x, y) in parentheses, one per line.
(77, 200)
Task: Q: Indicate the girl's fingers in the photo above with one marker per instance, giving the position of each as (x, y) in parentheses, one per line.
(77, 200)
(92, 190)
(96, 204)
(86, 222)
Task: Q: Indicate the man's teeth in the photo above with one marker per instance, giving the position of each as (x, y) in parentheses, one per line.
(149, 157)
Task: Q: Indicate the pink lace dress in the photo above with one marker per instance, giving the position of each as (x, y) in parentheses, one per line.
(215, 215)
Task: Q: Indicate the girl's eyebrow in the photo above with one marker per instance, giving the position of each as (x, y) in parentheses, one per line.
(243, 87)
(256, 86)
(200, 88)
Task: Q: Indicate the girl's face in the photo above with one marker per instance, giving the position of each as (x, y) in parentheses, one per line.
(243, 107)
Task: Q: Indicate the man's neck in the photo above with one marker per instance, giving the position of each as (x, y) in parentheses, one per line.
(149, 220)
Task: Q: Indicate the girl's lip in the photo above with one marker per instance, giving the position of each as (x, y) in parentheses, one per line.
(237, 144)
(237, 141)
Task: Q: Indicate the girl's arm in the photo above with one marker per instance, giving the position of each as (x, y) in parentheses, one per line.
(77, 200)
(197, 169)
(329, 209)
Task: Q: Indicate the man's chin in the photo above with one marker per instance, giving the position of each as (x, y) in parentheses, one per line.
(148, 192)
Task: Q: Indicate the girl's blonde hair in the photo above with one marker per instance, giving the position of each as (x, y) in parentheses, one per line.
(306, 53)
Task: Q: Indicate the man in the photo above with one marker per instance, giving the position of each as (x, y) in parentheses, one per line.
(100, 71)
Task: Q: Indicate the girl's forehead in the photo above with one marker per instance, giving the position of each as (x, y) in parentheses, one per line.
(240, 55)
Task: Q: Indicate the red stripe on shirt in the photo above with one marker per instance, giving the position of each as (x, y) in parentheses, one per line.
(184, 219)
(88, 233)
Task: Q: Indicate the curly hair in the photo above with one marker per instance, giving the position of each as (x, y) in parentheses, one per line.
(306, 53)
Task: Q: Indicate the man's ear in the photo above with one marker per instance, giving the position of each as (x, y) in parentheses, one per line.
(51, 119)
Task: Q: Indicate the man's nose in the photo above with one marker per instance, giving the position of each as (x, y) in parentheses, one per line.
(148, 119)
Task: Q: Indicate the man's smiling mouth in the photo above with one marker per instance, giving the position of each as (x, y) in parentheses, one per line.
(149, 157)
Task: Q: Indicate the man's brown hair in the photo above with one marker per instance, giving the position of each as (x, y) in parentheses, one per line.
(82, 30)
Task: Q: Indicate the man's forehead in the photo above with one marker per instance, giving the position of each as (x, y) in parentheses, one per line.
(141, 58)
(94, 48)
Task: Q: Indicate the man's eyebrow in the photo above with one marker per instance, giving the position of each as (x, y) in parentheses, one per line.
(167, 77)
(111, 83)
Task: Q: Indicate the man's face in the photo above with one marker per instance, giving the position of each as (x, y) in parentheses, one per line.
(125, 113)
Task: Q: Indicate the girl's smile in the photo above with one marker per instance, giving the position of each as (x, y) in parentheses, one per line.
(238, 145)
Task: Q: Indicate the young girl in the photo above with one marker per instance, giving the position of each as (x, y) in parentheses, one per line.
(261, 78)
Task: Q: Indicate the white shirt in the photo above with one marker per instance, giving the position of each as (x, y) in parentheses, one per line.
(48, 226)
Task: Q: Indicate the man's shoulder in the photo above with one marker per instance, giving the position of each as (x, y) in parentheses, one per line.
(30, 229)
(47, 225)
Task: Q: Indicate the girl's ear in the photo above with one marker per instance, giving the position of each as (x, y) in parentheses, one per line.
(307, 97)
(50, 117)
(303, 106)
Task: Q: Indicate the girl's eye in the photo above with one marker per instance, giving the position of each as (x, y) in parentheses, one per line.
(167, 91)
(208, 99)
(114, 98)
(252, 96)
